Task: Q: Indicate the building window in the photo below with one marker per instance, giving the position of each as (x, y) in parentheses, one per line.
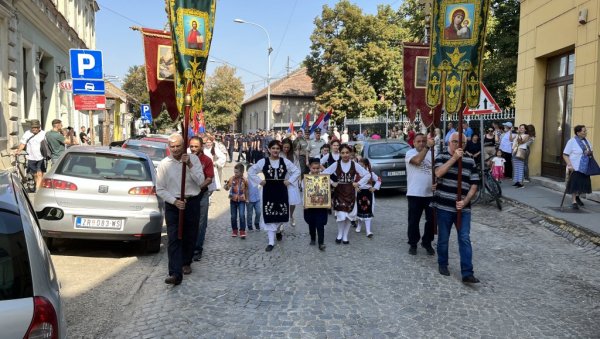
(558, 110)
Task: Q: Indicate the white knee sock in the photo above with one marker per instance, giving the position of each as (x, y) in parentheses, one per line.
(340, 225)
(271, 235)
(368, 225)
(347, 224)
(358, 225)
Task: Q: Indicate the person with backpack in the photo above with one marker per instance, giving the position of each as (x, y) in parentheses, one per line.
(56, 141)
(31, 142)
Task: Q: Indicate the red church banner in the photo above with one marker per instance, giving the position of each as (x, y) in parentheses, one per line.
(160, 71)
(416, 61)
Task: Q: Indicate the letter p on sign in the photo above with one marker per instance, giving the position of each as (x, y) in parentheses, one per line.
(85, 62)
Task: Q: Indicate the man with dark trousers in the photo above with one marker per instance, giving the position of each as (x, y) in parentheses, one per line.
(168, 188)
(419, 193)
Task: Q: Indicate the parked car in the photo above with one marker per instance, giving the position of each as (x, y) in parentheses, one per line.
(156, 147)
(100, 192)
(30, 302)
(387, 161)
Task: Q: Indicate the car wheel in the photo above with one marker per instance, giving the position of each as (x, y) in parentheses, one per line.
(151, 245)
(50, 243)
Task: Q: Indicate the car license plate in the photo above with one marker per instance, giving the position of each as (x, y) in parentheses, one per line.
(99, 223)
(395, 173)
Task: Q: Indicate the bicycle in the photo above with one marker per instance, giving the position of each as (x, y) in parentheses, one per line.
(490, 190)
(18, 164)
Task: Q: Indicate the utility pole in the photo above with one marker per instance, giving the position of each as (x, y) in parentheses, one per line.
(288, 67)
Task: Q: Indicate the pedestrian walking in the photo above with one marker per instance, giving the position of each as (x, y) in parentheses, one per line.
(83, 137)
(314, 145)
(365, 199)
(344, 191)
(56, 141)
(206, 188)
(447, 205)
(278, 173)
(301, 150)
(316, 218)
(218, 158)
(253, 207)
(530, 140)
(519, 155)
(498, 166)
(577, 154)
(31, 142)
(237, 186)
(294, 197)
(419, 193)
(333, 156)
(168, 188)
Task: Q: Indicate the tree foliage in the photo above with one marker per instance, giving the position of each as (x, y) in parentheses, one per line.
(355, 58)
(223, 96)
(500, 64)
(135, 85)
(412, 20)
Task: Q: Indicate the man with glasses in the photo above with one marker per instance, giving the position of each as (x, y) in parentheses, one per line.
(30, 142)
(447, 205)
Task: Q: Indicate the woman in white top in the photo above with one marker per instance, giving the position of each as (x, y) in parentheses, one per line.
(278, 173)
(287, 150)
(333, 155)
(575, 153)
(218, 158)
(343, 174)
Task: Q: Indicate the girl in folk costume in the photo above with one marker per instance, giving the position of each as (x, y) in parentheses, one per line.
(365, 199)
(333, 156)
(344, 192)
(217, 157)
(294, 197)
(316, 218)
(279, 173)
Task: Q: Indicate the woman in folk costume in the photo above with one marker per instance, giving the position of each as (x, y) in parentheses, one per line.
(287, 150)
(279, 173)
(218, 158)
(333, 155)
(365, 198)
(344, 192)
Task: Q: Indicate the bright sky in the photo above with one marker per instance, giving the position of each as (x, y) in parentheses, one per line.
(289, 23)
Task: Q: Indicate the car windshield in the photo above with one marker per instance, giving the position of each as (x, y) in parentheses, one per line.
(388, 150)
(103, 166)
(155, 153)
(15, 272)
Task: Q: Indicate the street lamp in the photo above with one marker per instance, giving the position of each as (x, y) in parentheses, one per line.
(402, 104)
(269, 50)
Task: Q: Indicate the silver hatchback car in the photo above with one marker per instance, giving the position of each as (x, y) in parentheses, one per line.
(30, 303)
(104, 193)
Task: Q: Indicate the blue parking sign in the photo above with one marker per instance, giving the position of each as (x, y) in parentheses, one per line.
(146, 114)
(86, 64)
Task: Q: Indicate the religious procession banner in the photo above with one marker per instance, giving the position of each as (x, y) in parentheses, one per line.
(415, 69)
(192, 23)
(457, 42)
(160, 71)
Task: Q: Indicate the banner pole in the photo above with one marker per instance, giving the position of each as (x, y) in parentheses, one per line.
(186, 123)
(433, 178)
(459, 177)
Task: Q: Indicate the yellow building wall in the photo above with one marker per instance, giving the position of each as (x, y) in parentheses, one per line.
(548, 28)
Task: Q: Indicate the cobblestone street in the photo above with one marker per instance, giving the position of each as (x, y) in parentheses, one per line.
(534, 284)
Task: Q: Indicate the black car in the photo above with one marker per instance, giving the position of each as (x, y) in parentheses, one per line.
(387, 161)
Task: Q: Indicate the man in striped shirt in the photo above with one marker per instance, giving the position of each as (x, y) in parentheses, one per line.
(446, 206)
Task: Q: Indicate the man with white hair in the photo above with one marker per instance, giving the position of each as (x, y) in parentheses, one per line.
(447, 206)
(168, 188)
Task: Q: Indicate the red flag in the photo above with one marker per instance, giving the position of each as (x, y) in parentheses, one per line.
(416, 61)
(160, 71)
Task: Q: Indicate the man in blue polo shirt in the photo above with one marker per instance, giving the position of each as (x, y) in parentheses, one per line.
(446, 206)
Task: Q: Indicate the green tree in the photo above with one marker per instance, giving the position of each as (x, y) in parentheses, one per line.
(223, 96)
(500, 64)
(412, 20)
(135, 85)
(355, 58)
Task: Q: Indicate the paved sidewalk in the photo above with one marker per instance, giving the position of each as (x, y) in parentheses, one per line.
(547, 201)
(534, 284)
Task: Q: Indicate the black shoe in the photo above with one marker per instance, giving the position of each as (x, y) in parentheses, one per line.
(515, 184)
(519, 185)
(338, 241)
(347, 242)
(279, 236)
(470, 280)
(579, 202)
(574, 206)
(322, 247)
(353, 223)
(197, 256)
(370, 235)
(429, 249)
(313, 243)
(444, 270)
(412, 250)
(269, 248)
(257, 228)
(173, 280)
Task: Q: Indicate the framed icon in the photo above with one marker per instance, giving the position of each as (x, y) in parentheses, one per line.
(317, 191)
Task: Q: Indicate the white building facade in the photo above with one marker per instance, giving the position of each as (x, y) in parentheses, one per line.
(35, 38)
